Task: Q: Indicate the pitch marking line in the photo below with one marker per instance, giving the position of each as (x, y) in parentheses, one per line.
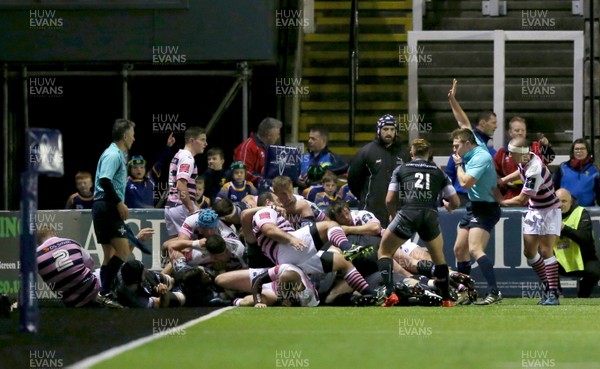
(112, 352)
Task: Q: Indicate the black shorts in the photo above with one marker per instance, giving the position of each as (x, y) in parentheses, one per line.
(481, 214)
(107, 222)
(409, 221)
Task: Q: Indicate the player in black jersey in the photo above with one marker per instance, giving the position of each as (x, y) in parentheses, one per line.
(412, 195)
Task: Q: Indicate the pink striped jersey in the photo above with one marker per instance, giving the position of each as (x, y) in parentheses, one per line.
(269, 216)
(537, 184)
(309, 296)
(183, 166)
(63, 265)
(362, 217)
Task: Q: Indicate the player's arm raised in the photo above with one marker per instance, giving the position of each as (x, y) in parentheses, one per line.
(459, 113)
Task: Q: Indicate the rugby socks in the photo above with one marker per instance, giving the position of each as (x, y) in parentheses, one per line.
(111, 271)
(102, 279)
(463, 267)
(338, 238)
(487, 269)
(357, 282)
(552, 273)
(441, 275)
(538, 265)
(386, 267)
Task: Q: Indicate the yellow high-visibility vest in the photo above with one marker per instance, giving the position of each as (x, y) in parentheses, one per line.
(566, 250)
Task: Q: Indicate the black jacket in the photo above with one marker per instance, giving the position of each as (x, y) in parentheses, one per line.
(370, 173)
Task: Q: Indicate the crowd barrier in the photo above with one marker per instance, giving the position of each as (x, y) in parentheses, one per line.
(515, 277)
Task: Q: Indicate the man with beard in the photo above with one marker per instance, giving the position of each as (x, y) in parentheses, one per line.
(371, 168)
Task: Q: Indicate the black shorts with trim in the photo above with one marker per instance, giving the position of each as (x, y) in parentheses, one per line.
(107, 222)
(481, 214)
(409, 221)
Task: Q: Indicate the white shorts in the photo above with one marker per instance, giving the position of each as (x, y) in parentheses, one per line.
(408, 247)
(307, 297)
(174, 218)
(307, 259)
(542, 222)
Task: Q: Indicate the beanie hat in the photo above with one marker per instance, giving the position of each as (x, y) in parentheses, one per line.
(237, 165)
(315, 173)
(386, 120)
(136, 160)
(207, 218)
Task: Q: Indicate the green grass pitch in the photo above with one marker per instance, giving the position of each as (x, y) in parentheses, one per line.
(516, 333)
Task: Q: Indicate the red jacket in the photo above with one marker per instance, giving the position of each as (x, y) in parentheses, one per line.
(252, 152)
(505, 165)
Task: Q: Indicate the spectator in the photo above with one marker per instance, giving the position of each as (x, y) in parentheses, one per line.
(325, 198)
(237, 189)
(140, 190)
(253, 150)
(182, 180)
(505, 165)
(314, 177)
(575, 249)
(202, 201)
(215, 176)
(346, 195)
(84, 197)
(579, 175)
(319, 154)
(371, 168)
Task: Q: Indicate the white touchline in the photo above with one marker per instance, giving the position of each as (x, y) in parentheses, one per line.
(112, 352)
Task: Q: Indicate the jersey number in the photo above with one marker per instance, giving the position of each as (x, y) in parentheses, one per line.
(419, 183)
(62, 260)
